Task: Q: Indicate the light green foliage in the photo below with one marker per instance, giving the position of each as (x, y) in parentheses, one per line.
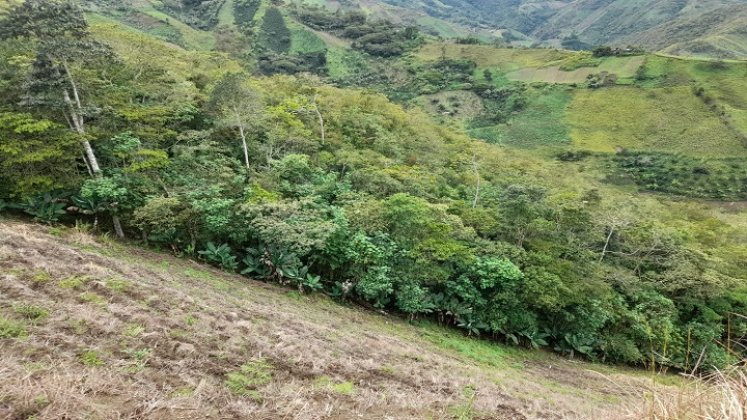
(74, 282)
(93, 298)
(36, 156)
(91, 358)
(133, 330)
(343, 388)
(665, 120)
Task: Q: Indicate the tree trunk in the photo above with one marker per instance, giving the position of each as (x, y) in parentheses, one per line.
(243, 138)
(477, 187)
(607, 243)
(321, 119)
(77, 120)
(76, 115)
(117, 226)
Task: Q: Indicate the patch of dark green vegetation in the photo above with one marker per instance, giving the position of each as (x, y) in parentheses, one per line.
(244, 12)
(379, 38)
(719, 179)
(195, 13)
(274, 33)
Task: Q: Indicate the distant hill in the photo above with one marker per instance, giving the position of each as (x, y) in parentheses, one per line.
(701, 27)
(719, 33)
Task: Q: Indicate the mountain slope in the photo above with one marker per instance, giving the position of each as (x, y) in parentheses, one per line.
(718, 33)
(105, 330)
(683, 26)
(608, 21)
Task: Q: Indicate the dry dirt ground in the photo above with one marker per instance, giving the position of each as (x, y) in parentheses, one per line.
(94, 329)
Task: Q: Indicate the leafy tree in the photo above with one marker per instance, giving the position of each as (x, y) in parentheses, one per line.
(237, 105)
(61, 38)
(62, 43)
(36, 155)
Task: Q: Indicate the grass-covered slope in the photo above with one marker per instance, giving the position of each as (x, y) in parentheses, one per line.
(95, 329)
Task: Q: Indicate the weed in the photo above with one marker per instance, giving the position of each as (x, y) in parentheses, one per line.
(93, 298)
(140, 358)
(31, 367)
(12, 329)
(41, 400)
(31, 312)
(190, 320)
(344, 388)
(465, 411)
(90, 358)
(249, 377)
(182, 392)
(118, 285)
(73, 282)
(178, 333)
(133, 330)
(41, 277)
(389, 370)
(79, 326)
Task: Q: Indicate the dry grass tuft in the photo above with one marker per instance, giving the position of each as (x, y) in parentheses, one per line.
(722, 395)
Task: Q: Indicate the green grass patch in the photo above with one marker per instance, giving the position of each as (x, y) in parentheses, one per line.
(343, 63)
(73, 282)
(480, 351)
(541, 123)
(665, 119)
(31, 312)
(487, 56)
(118, 285)
(303, 40)
(11, 329)
(41, 277)
(343, 388)
(133, 330)
(92, 298)
(91, 358)
(249, 378)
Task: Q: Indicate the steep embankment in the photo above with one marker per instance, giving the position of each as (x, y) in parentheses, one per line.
(94, 329)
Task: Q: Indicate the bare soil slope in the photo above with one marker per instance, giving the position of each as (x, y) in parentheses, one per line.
(94, 329)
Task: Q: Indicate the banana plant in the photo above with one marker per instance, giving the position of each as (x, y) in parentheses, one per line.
(45, 208)
(221, 255)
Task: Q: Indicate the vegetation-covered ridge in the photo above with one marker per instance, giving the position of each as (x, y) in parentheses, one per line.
(536, 237)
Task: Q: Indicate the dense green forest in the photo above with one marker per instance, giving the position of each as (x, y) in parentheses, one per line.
(484, 187)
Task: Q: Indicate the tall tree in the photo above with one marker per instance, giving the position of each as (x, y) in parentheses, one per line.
(236, 104)
(59, 33)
